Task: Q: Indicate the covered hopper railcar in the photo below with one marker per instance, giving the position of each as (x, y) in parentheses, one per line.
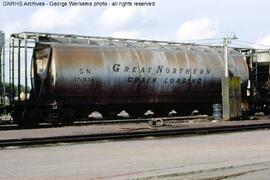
(73, 79)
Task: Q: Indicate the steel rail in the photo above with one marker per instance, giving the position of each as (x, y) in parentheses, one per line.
(131, 134)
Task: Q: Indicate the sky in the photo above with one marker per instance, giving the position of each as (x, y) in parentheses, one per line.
(174, 20)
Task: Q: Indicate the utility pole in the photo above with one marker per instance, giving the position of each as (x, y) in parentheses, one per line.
(226, 42)
(226, 111)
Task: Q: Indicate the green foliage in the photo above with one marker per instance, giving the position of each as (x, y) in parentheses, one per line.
(8, 88)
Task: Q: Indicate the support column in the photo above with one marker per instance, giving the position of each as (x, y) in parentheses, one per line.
(2, 49)
(25, 67)
(19, 69)
(3, 71)
(12, 73)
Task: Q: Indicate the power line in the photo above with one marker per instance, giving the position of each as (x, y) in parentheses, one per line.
(210, 39)
(253, 43)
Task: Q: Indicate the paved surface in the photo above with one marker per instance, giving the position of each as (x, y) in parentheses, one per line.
(243, 155)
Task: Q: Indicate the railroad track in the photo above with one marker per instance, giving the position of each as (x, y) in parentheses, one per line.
(10, 125)
(13, 126)
(131, 134)
(5, 127)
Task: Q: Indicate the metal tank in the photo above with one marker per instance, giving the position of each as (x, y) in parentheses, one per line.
(131, 75)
